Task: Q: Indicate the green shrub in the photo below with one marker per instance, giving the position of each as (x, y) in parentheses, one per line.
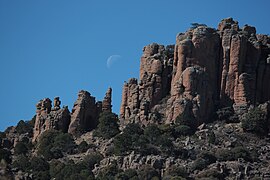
(175, 171)
(109, 172)
(182, 130)
(210, 174)
(5, 155)
(212, 137)
(234, 154)
(195, 25)
(83, 147)
(41, 175)
(157, 116)
(91, 159)
(186, 119)
(241, 152)
(165, 143)
(208, 157)
(21, 162)
(199, 164)
(2, 135)
(20, 148)
(148, 172)
(108, 126)
(153, 133)
(255, 121)
(167, 129)
(39, 164)
(130, 139)
(69, 171)
(53, 144)
(127, 175)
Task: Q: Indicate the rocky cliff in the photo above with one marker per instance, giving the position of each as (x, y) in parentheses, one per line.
(83, 118)
(205, 70)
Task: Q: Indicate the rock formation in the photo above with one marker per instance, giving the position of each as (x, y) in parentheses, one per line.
(107, 102)
(85, 112)
(83, 118)
(84, 115)
(50, 118)
(205, 70)
(155, 76)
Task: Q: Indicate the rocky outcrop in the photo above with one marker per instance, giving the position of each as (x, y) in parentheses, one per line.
(85, 112)
(83, 118)
(206, 69)
(155, 76)
(194, 86)
(84, 115)
(50, 118)
(107, 102)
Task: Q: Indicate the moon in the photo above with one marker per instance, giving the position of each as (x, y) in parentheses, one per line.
(112, 59)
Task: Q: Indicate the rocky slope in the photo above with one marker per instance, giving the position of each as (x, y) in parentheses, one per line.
(200, 110)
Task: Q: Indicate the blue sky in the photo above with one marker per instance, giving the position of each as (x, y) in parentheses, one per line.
(58, 47)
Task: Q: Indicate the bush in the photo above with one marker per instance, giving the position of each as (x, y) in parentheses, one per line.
(91, 159)
(5, 155)
(175, 171)
(199, 164)
(130, 139)
(53, 143)
(255, 121)
(83, 147)
(187, 120)
(2, 135)
(208, 157)
(148, 172)
(22, 162)
(234, 154)
(39, 164)
(182, 130)
(210, 174)
(70, 171)
(153, 133)
(107, 127)
(20, 148)
(109, 172)
(195, 25)
(212, 138)
(127, 175)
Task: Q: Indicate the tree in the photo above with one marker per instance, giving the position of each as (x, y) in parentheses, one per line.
(53, 144)
(107, 126)
(83, 147)
(129, 140)
(255, 121)
(5, 155)
(153, 133)
(195, 25)
(22, 162)
(20, 148)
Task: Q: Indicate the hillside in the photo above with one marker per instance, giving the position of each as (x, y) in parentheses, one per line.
(200, 110)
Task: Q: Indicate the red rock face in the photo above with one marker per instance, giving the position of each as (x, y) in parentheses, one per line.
(107, 102)
(83, 118)
(84, 115)
(50, 118)
(208, 68)
(195, 74)
(85, 112)
(155, 78)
